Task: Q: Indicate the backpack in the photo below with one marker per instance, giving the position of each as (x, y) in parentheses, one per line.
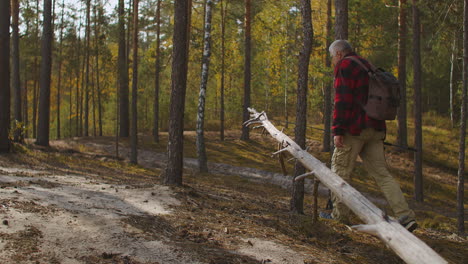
(383, 98)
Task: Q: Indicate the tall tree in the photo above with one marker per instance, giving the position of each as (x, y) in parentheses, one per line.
(175, 146)
(328, 87)
(341, 19)
(461, 157)
(418, 177)
(247, 68)
(157, 80)
(97, 35)
(134, 138)
(201, 150)
(223, 10)
(123, 74)
(59, 84)
(297, 200)
(453, 61)
(16, 82)
(4, 75)
(46, 67)
(36, 72)
(402, 135)
(87, 54)
(78, 78)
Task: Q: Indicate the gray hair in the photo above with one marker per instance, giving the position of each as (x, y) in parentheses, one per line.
(340, 45)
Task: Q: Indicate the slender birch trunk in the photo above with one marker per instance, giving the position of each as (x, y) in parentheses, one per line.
(201, 149)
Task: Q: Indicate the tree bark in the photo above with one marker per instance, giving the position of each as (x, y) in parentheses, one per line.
(46, 68)
(4, 76)
(452, 79)
(59, 84)
(36, 74)
(98, 16)
(341, 19)
(175, 146)
(134, 128)
(157, 81)
(87, 83)
(418, 177)
(123, 74)
(25, 101)
(16, 82)
(78, 79)
(461, 158)
(297, 199)
(223, 67)
(201, 149)
(402, 134)
(247, 68)
(328, 86)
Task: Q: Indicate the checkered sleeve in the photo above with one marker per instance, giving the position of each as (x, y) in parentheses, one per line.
(343, 111)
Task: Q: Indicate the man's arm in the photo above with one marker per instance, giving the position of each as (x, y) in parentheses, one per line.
(342, 113)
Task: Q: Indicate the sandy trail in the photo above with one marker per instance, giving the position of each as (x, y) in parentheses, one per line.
(72, 218)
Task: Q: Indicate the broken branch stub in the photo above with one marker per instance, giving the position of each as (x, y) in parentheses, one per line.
(403, 243)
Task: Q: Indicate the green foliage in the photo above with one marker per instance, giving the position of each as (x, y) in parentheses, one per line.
(276, 40)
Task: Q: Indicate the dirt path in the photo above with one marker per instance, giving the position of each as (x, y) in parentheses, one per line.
(50, 217)
(75, 219)
(152, 159)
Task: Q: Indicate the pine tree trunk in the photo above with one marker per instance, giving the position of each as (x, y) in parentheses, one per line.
(418, 180)
(201, 149)
(328, 86)
(223, 67)
(93, 100)
(341, 19)
(297, 200)
(134, 128)
(35, 98)
(175, 146)
(87, 84)
(123, 74)
(402, 135)
(46, 68)
(452, 79)
(98, 16)
(157, 75)
(16, 82)
(78, 81)
(60, 70)
(247, 68)
(36, 74)
(26, 84)
(4, 75)
(70, 105)
(25, 101)
(461, 158)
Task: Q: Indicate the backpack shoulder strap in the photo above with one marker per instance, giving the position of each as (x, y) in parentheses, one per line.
(370, 70)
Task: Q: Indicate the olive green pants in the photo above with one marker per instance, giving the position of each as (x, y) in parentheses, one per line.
(369, 146)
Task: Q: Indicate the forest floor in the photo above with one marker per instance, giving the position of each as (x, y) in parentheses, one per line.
(75, 202)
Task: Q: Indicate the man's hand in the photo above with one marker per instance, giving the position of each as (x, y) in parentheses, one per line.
(338, 141)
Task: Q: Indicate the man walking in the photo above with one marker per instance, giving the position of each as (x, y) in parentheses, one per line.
(355, 133)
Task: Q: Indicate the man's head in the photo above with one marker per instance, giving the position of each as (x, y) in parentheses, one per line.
(338, 49)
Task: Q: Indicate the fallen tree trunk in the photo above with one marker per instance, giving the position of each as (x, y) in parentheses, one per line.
(403, 243)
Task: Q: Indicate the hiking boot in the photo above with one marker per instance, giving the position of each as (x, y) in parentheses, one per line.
(325, 215)
(409, 224)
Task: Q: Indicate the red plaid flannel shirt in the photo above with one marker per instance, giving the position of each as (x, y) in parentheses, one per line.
(352, 84)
